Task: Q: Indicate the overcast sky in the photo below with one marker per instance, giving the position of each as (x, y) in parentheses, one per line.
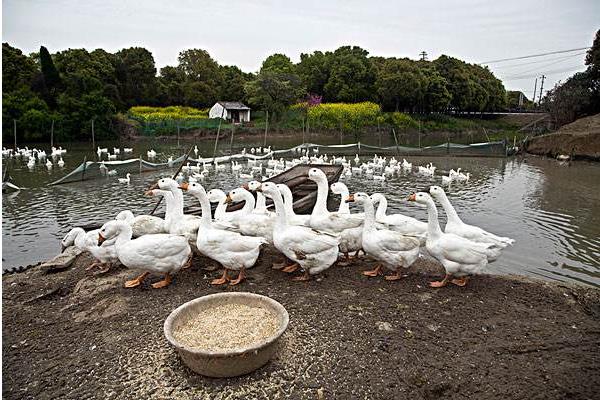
(244, 32)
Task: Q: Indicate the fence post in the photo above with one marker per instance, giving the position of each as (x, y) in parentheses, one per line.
(266, 129)
(84, 167)
(217, 138)
(396, 140)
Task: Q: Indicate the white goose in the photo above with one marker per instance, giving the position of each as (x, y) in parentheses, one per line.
(161, 253)
(104, 255)
(314, 251)
(233, 250)
(148, 224)
(398, 222)
(245, 220)
(261, 204)
(341, 189)
(348, 226)
(218, 196)
(126, 179)
(456, 226)
(460, 257)
(392, 249)
(177, 222)
(288, 203)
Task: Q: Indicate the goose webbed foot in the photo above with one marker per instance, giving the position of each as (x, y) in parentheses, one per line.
(222, 280)
(241, 276)
(291, 268)
(373, 272)
(394, 277)
(188, 263)
(93, 265)
(136, 281)
(460, 281)
(165, 282)
(442, 283)
(303, 277)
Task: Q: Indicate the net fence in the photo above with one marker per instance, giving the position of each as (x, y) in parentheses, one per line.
(95, 170)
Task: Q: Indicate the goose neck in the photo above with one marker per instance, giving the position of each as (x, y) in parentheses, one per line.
(322, 192)
(433, 225)
(448, 208)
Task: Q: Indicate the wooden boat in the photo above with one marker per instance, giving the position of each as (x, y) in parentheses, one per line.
(296, 178)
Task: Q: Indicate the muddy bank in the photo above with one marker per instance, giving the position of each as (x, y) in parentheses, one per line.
(581, 139)
(74, 335)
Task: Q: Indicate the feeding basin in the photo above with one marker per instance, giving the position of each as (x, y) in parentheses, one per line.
(226, 334)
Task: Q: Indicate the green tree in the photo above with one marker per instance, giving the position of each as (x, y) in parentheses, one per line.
(351, 76)
(400, 84)
(278, 63)
(136, 76)
(274, 92)
(314, 71)
(18, 70)
(232, 84)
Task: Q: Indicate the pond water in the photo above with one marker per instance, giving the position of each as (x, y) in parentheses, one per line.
(552, 211)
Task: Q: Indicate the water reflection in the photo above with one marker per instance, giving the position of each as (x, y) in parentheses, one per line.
(553, 212)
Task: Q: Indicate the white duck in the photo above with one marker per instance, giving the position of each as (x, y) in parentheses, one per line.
(392, 249)
(460, 257)
(398, 222)
(176, 222)
(218, 196)
(314, 251)
(161, 253)
(61, 162)
(246, 221)
(456, 226)
(231, 249)
(104, 255)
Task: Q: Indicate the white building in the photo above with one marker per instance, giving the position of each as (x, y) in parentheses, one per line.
(234, 111)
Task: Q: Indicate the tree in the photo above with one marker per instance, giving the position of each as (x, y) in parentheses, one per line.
(437, 96)
(18, 70)
(351, 76)
(51, 76)
(274, 92)
(400, 84)
(313, 69)
(202, 73)
(279, 63)
(232, 85)
(136, 76)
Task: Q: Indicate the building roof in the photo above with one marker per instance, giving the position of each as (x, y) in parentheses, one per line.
(233, 105)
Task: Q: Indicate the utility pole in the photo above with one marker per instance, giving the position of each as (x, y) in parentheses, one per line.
(423, 55)
(541, 88)
(534, 92)
(15, 132)
(93, 138)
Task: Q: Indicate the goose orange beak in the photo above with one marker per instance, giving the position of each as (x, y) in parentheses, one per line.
(183, 186)
(155, 186)
(259, 189)
(350, 199)
(245, 186)
(228, 199)
(149, 193)
(412, 197)
(101, 239)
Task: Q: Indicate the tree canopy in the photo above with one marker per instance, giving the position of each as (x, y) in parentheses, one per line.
(74, 86)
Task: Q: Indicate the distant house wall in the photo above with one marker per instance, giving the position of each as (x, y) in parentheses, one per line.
(217, 111)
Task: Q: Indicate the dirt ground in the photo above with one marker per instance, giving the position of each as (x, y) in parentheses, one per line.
(75, 335)
(581, 139)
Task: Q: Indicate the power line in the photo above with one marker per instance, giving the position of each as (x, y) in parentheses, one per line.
(551, 72)
(534, 55)
(540, 68)
(504, 67)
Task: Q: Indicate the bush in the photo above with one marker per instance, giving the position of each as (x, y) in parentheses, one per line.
(343, 115)
(171, 113)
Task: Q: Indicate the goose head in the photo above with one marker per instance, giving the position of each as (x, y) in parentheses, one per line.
(436, 191)
(358, 198)
(110, 230)
(420, 197)
(377, 197)
(69, 239)
(269, 189)
(338, 188)
(165, 184)
(127, 215)
(315, 174)
(193, 188)
(216, 195)
(252, 186)
(237, 195)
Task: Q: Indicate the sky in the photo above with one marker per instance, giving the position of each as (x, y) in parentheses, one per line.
(245, 32)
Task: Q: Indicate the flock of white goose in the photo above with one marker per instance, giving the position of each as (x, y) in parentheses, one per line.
(312, 243)
(36, 156)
